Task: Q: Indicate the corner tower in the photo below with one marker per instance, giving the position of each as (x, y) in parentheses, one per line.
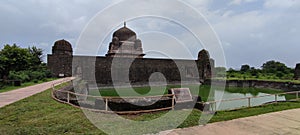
(205, 65)
(60, 61)
(125, 44)
(297, 72)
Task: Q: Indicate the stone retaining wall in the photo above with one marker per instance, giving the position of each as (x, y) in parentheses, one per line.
(285, 86)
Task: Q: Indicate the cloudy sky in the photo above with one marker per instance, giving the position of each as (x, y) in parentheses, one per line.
(250, 31)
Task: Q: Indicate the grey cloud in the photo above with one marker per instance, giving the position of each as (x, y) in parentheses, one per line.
(268, 30)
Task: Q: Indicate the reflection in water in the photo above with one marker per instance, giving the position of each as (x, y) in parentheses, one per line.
(217, 93)
(244, 102)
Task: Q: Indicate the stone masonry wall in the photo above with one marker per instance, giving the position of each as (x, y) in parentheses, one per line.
(60, 64)
(286, 86)
(125, 70)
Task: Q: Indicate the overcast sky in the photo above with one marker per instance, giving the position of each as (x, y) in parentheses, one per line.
(250, 31)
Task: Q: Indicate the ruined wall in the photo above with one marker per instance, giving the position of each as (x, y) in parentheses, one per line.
(136, 71)
(60, 65)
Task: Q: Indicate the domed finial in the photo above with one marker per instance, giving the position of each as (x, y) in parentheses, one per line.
(124, 23)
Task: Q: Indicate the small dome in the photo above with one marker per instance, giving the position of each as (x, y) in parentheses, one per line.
(62, 45)
(203, 54)
(125, 34)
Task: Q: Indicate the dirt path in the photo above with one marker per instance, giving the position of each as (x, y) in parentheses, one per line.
(9, 97)
(279, 123)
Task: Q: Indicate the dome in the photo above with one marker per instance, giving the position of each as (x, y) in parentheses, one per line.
(62, 45)
(203, 54)
(124, 34)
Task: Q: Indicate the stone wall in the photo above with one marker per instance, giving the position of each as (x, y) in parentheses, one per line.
(60, 65)
(286, 86)
(137, 71)
(121, 70)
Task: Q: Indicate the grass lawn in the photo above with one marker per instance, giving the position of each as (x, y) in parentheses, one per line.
(40, 114)
(26, 84)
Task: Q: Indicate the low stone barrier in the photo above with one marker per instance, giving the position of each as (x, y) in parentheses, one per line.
(124, 105)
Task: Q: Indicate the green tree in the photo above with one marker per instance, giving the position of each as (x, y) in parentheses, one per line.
(220, 71)
(275, 68)
(245, 68)
(36, 57)
(254, 72)
(231, 70)
(13, 58)
(231, 73)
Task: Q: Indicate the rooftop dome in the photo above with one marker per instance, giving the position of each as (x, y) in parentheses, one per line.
(125, 33)
(203, 54)
(62, 46)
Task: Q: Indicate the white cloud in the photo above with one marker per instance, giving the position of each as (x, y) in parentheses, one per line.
(261, 34)
(234, 27)
(239, 2)
(235, 2)
(199, 3)
(282, 4)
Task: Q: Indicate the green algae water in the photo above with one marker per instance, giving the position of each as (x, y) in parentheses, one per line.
(206, 92)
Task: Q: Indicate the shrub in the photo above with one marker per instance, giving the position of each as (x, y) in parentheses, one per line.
(27, 75)
(37, 75)
(44, 80)
(48, 73)
(35, 81)
(21, 75)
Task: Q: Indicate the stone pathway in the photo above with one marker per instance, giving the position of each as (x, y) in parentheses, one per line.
(279, 123)
(9, 97)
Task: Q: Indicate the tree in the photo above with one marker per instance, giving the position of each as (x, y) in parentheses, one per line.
(220, 71)
(36, 55)
(13, 58)
(275, 66)
(245, 68)
(231, 70)
(254, 72)
(231, 73)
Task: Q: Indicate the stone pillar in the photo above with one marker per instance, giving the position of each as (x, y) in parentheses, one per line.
(205, 65)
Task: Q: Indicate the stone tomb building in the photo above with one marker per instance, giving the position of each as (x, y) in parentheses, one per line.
(124, 63)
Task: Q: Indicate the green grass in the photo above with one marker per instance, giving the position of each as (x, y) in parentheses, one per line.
(40, 114)
(246, 112)
(26, 84)
(193, 118)
(137, 91)
(145, 91)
